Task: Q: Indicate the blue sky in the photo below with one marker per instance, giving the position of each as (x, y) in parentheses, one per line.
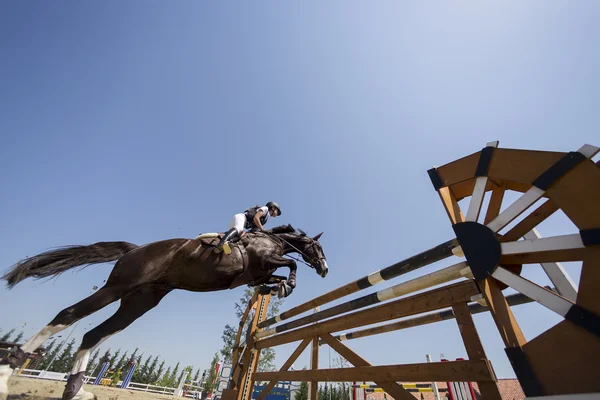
(142, 121)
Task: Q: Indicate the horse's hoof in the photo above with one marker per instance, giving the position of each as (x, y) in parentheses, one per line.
(82, 395)
(284, 290)
(5, 373)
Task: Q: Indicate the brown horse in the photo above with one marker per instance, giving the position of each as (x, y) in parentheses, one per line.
(143, 275)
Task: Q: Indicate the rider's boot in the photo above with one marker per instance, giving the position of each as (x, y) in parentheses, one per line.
(223, 244)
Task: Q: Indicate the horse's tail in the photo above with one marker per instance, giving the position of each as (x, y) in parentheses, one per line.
(55, 262)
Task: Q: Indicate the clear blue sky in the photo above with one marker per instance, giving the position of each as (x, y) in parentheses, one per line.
(141, 121)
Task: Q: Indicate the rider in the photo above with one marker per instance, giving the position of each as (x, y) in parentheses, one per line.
(253, 218)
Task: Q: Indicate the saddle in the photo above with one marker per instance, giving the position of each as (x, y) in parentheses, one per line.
(209, 238)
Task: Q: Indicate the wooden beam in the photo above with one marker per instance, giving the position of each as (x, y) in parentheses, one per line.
(452, 371)
(420, 303)
(563, 255)
(451, 205)
(475, 308)
(236, 344)
(577, 194)
(503, 317)
(252, 357)
(392, 388)
(475, 350)
(263, 394)
(495, 204)
(539, 215)
(314, 364)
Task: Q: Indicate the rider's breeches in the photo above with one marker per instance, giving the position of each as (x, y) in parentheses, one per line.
(238, 222)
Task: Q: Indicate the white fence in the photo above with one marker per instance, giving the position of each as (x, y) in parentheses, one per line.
(193, 391)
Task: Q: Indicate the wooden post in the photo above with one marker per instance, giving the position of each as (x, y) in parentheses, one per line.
(475, 351)
(252, 357)
(313, 386)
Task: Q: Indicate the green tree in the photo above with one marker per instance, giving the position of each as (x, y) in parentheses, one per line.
(156, 375)
(142, 369)
(302, 393)
(52, 351)
(92, 363)
(19, 337)
(150, 373)
(211, 379)
(196, 376)
(113, 360)
(63, 362)
(7, 335)
(173, 376)
(165, 378)
(122, 363)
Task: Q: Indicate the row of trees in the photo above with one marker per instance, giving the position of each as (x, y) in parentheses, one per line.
(327, 391)
(59, 357)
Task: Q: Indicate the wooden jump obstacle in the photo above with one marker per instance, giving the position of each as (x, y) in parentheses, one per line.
(560, 361)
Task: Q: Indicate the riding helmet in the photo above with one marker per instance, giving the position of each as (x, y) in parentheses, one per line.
(272, 204)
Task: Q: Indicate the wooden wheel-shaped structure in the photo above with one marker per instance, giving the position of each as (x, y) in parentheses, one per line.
(565, 358)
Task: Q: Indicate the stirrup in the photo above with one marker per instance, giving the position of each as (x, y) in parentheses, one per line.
(225, 248)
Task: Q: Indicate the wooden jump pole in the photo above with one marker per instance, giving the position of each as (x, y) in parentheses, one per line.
(410, 264)
(475, 308)
(423, 282)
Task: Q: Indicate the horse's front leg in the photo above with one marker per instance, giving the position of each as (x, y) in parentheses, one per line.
(284, 288)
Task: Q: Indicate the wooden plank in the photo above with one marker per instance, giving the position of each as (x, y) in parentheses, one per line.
(420, 303)
(565, 359)
(263, 394)
(503, 317)
(459, 170)
(495, 204)
(236, 349)
(475, 308)
(515, 209)
(477, 198)
(523, 166)
(452, 371)
(543, 296)
(539, 215)
(451, 205)
(252, 357)
(475, 350)
(589, 283)
(392, 388)
(314, 365)
(557, 274)
(577, 194)
(543, 257)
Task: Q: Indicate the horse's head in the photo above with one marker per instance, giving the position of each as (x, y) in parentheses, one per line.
(312, 253)
(309, 248)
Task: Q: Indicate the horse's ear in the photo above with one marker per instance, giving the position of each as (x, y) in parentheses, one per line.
(318, 236)
(301, 232)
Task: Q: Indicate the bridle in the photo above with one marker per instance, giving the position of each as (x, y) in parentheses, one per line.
(316, 260)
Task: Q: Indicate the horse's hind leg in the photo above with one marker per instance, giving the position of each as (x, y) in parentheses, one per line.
(133, 306)
(63, 320)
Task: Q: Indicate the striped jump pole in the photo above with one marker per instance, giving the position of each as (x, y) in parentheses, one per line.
(420, 260)
(101, 373)
(423, 282)
(475, 308)
(129, 375)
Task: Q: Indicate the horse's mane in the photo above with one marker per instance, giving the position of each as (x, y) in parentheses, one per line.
(283, 229)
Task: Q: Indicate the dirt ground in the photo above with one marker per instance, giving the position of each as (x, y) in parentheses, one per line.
(41, 389)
